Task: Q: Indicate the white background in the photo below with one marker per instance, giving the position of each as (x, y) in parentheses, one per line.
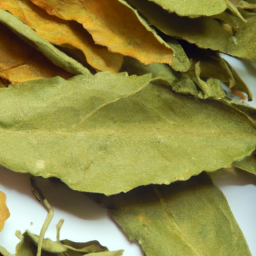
(85, 221)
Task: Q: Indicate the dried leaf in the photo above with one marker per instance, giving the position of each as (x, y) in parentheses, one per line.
(63, 33)
(185, 218)
(247, 164)
(4, 252)
(193, 8)
(19, 62)
(29, 243)
(232, 8)
(52, 53)
(180, 61)
(205, 32)
(246, 5)
(212, 70)
(117, 128)
(211, 88)
(4, 211)
(114, 25)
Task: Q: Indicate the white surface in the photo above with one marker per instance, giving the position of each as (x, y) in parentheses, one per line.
(85, 221)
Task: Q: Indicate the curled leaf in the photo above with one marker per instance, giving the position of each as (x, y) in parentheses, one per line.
(29, 243)
(52, 53)
(19, 62)
(63, 33)
(115, 25)
(233, 37)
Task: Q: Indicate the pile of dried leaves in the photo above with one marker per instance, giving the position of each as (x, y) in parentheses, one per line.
(113, 96)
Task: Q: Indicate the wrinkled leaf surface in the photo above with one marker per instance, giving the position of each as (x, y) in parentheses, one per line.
(185, 218)
(28, 247)
(63, 33)
(114, 25)
(19, 62)
(119, 129)
(52, 53)
(205, 32)
(193, 8)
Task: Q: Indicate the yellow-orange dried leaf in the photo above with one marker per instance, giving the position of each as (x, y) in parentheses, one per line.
(19, 62)
(4, 212)
(115, 25)
(69, 34)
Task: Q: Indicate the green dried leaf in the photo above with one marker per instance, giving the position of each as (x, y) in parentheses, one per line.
(211, 88)
(180, 61)
(246, 5)
(29, 243)
(56, 56)
(235, 11)
(186, 218)
(193, 8)
(119, 129)
(4, 252)
(247, 164)
(205, 76)
(88, 247)
(205, 32)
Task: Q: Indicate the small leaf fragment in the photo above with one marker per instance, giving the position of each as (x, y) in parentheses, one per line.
(4, 211)
(247, 164)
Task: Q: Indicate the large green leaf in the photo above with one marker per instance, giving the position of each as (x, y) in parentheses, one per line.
(193, 8)
(118, 129)
(52, 53)
(185, 218)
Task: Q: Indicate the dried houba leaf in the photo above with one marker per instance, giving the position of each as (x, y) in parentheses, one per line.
(52, 53)
(4, 211)
(235, 37)
(29, 243)
(203, 78)
(247, 164)
(119, 129)
(19, 62)
(63, 33)
(193, 8)
(185, 218)
(114, 25)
